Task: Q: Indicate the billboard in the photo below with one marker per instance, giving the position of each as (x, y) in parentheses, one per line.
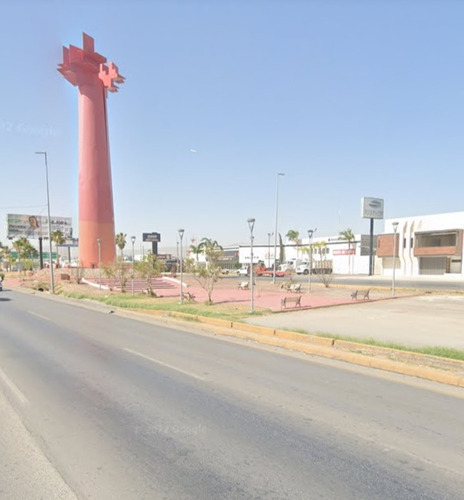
(372, 208)
(36, 226)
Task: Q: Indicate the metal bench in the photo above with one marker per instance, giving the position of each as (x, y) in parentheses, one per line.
(189, 296)
(296, 300)
(354, 295)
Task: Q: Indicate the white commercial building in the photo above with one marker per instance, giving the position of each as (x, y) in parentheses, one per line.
(423, 245)
(346, 257)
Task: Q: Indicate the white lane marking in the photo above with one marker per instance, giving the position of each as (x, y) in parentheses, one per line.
(167, 365)
(40, 316)
(13, 388)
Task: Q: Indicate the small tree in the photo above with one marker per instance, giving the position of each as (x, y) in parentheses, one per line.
(120, 239)
(324, 277)
(58, 239)
(149, 267)
(348, 235)
(207, 276)
(294, 237)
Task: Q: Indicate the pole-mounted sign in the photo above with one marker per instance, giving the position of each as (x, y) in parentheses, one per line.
(154, 238)
(371, 208)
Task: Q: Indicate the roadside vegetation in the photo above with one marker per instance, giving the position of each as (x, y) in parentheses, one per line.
(440, 351)
(143, 302)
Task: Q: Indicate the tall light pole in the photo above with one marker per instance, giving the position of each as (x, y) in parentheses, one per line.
(395, 228)
(181, 235)
(52, 277)
(310, 254)
(133, 258)
(279, 174)
(269, 249)
(251, 225)
(99, 263)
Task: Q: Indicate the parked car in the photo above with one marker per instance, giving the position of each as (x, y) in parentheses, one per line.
(303, 268)
(243, 271)
(269, 271)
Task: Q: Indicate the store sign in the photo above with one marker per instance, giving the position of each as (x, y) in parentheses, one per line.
(151, 237)
(372, 208)
(344, 251)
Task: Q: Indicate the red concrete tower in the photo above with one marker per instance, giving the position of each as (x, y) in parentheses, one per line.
(88, 70)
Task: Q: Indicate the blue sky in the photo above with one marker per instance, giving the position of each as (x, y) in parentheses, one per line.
(347, 98)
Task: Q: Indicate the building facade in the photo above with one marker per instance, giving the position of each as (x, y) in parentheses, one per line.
(346, 257)
(423, 245)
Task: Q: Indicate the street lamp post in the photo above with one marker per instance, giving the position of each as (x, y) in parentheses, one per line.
(99, 263)
(181, 234)
(279, 174)
(395, 228)
(52, 277)
(310, 255)
(133, 258)
(269, 249)
(251, 225)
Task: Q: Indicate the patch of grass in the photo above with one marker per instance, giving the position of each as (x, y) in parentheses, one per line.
(444, 352)
(142, 302)
(439, 351)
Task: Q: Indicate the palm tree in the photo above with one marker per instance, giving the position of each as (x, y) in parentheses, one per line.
(121, 243)
(5, 256)
(58, 239)
(25, 250)
(211, 248)
(294, 237)
(196, 250)
(348, 235)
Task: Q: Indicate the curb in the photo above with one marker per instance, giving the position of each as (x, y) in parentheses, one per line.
(329, 348)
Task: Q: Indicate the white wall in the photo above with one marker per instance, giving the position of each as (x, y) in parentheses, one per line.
(407, 264)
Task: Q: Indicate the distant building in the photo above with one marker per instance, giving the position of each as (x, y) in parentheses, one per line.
(425, 245)
(346, 257)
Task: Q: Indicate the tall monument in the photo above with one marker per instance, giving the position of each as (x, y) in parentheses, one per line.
(88, 70)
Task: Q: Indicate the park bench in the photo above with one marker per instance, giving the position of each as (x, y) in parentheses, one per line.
(354, 295)
(243, 285)
(189, 296)
(296, 300)
(296, 288)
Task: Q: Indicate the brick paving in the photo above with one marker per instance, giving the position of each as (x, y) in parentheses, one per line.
(267, 295)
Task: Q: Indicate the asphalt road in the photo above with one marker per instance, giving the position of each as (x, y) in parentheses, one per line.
(100, 406)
